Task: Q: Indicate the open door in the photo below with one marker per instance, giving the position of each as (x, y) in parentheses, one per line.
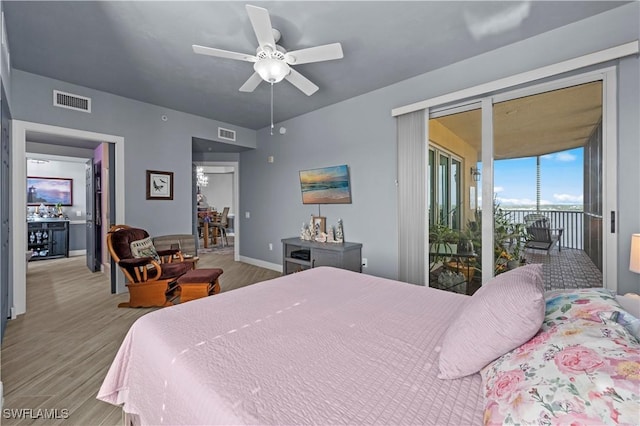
(5, 213)
(109, 185)
(91, 215)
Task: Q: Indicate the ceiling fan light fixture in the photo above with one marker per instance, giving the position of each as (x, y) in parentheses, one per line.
(271, 70)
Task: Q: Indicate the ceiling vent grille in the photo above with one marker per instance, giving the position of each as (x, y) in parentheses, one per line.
(71, 101)
(226, 134)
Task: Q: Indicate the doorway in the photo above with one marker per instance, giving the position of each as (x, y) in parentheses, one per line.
(21, 131)
(222, 190)
(486, 127)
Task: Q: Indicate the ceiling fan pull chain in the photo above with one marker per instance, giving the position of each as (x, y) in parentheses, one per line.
(272, 108)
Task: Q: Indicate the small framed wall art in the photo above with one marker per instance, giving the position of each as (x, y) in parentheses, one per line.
(159, 185)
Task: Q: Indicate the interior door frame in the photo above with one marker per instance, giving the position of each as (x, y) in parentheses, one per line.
(19, 196)
(608, 76)
(236, 200)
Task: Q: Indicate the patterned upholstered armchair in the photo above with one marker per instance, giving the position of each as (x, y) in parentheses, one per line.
(151, 275)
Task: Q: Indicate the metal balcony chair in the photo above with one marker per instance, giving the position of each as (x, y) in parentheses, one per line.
(541, 235)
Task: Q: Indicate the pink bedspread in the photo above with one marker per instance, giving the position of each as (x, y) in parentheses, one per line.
(325, 346)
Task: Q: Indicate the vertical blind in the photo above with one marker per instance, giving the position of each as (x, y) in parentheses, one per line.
(411, 196)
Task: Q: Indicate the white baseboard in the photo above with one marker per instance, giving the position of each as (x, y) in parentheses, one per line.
(261, 263)
(73, 253)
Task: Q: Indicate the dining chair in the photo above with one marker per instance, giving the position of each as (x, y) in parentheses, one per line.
(220, 226)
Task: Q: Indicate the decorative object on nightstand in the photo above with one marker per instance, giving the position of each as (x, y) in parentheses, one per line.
(331, 235)
(339, 232)
(306, 233)
(319, 225)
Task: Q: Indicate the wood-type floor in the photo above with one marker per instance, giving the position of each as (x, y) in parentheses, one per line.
(56, 356)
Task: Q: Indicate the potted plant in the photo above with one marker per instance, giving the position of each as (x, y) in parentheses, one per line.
(509, 239)
(443, 239)
(443, 242)
(519, 237)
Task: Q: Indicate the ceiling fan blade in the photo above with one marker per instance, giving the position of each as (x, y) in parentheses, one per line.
(211, 51)
(326, 52)
(261, 23)
(251, 84)
(301, 82)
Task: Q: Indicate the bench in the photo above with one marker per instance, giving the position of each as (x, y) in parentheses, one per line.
(199, 283)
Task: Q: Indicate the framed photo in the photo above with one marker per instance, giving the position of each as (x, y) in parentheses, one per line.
(49, 191)
(328, 185)
(159, 185)
(319, 225)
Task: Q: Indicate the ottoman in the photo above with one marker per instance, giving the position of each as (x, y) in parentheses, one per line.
(199, 283)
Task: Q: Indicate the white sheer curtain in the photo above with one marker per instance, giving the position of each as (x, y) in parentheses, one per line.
(411, 196)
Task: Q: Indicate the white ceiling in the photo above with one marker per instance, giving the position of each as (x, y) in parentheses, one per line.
(142, 50)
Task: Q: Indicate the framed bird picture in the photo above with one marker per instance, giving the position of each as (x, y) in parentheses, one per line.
(159, 185)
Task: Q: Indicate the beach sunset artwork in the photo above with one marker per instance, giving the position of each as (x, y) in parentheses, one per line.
(328, 185)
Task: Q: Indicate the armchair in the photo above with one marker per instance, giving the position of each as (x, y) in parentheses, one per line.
(151, 275)
(541, 235)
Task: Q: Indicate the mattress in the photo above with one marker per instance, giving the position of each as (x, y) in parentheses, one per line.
(324, 346)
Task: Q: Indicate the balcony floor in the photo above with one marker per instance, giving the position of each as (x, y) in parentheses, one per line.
(568, 269)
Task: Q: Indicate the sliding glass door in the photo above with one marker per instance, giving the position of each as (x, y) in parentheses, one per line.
(455, 237)
(497, 164)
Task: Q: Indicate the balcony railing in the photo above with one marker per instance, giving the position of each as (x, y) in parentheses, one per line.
(571, 221)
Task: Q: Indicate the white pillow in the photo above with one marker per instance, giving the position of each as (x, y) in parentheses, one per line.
(144, 248)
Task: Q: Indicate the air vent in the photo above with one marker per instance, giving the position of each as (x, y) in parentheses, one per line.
(71, 101)
(227, 134)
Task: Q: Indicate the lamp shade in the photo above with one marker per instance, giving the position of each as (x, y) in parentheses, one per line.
(271, 70)
(634, 261)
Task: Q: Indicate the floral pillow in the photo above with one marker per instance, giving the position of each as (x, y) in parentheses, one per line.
(588, 303)
(583, 371)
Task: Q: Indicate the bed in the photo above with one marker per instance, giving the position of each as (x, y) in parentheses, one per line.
(326, 346)
(329, 346)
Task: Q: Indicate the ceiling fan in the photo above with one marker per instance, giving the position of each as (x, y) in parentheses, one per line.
(272, 63)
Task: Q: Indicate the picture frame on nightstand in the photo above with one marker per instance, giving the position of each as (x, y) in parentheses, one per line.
(319, 225)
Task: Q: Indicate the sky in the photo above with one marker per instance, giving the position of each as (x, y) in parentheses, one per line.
(561, 179)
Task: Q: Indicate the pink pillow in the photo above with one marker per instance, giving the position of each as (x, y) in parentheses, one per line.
(503, 314)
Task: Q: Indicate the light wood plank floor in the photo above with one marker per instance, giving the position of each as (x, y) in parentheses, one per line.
(56, 355)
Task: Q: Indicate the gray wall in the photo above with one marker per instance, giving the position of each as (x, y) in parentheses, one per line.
(215, 156)
(65, 169)
(150, 143)
(77, 236)
(219, 191)
(628, 169)
(64, 151)
(360, 132)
